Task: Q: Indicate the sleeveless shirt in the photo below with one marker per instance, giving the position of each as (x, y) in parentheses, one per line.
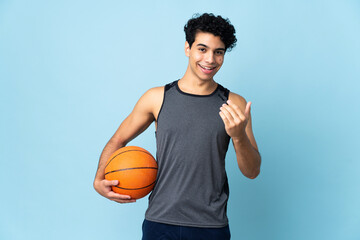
(192, 187)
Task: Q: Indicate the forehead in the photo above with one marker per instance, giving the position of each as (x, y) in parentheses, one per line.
(208, 39)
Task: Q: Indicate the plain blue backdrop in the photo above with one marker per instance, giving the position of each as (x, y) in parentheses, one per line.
(71, 71)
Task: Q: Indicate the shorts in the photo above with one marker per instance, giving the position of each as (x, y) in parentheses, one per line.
(161, 231)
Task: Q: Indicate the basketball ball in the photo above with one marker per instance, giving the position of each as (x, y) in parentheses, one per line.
(134, 168)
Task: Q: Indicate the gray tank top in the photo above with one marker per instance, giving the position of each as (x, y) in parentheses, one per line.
(192, 187)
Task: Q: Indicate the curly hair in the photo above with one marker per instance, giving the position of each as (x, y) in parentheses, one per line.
(210, 23)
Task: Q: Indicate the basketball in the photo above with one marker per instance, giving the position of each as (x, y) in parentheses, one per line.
(134, 168)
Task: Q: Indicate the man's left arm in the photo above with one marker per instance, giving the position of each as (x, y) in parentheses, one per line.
(237, 119)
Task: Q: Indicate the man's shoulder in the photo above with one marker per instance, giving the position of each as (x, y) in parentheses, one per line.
(153, 99)
(155, 91)
(238, 100)
(153, 95)
(159, 91)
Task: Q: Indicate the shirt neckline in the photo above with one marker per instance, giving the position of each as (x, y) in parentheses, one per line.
(195, 95)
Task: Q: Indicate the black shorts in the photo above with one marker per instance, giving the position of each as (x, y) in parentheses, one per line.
(160, 231)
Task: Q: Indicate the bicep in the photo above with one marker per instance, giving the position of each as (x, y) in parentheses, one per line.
(138, 121)
(131, 127)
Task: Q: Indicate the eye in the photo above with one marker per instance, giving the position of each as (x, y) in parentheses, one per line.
(202, 49)
(219, 52)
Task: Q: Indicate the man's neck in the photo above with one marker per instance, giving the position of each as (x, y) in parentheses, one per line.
(193, 85)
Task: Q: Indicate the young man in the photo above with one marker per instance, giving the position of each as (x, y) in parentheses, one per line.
(195, 117)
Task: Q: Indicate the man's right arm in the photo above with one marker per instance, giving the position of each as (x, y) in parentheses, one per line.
(143, 114)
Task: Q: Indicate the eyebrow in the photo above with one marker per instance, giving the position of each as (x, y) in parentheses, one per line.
(203, 45)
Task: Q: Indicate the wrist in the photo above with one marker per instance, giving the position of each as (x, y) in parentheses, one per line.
(96, 183)
(240, 139)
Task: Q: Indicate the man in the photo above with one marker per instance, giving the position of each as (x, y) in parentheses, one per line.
(195, 117)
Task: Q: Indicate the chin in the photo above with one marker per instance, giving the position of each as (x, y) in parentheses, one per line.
(207, 77)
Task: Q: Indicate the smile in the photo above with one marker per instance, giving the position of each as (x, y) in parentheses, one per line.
(207, 68)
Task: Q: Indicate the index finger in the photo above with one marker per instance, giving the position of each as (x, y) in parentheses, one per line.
(236, 108)
(232, 104)
(119, 196)
(125, 201)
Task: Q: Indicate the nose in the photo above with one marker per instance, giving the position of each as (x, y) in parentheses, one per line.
(210, 58)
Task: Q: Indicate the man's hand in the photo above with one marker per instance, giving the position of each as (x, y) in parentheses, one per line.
(234, 119)
(103, 187)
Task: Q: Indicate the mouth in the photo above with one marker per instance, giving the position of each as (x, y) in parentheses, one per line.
(206, 69)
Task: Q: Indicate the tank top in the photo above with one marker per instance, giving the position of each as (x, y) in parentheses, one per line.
(192, 187)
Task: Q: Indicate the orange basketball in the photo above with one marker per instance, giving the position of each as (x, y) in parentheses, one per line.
(134, 168)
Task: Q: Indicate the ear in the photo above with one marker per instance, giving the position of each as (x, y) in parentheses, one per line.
(187, 49)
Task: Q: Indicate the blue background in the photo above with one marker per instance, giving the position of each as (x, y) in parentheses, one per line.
(71, 71)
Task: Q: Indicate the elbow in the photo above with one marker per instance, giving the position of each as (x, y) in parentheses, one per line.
(252, 172)
(256, 171)
(252, 168)
(253, 176)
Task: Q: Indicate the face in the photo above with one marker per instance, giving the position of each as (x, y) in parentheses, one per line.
(206, 55)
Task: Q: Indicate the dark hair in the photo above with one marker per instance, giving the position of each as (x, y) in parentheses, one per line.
(210, 23)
